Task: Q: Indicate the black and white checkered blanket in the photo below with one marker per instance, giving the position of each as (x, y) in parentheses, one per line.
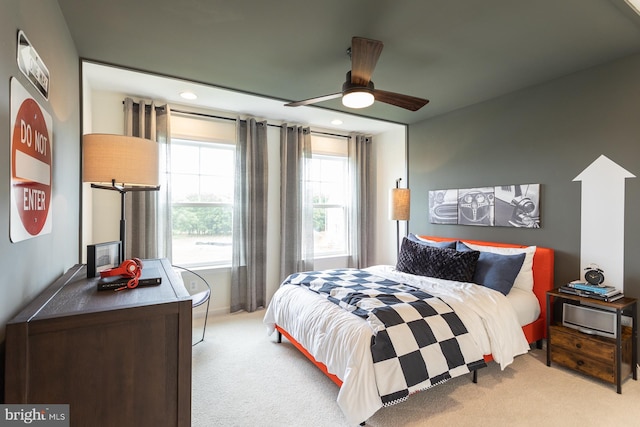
(418, 341)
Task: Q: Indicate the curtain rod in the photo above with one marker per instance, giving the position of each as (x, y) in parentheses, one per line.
(212, 116)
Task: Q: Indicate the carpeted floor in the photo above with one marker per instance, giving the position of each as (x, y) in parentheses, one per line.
(242, 377)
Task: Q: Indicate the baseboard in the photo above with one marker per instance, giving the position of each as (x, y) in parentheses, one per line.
(199, 314)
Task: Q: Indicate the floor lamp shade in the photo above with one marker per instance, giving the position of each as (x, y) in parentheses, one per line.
(119, 159)
(399, 204)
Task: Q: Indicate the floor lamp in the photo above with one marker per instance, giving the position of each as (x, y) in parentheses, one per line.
(399, 207)
(120, 163)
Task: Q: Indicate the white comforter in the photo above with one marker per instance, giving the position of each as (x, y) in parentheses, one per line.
(341, 340)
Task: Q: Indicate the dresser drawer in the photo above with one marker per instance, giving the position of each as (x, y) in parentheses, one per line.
(591, 347)
(591, 355)
(604, 370)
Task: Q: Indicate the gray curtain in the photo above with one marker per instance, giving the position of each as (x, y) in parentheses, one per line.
(148, 213)
(249, 257)
(361, 215)
(296, 204)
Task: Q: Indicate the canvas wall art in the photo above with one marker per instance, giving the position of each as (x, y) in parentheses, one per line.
(501, 206)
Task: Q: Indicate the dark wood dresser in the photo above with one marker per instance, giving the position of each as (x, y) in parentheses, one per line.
(117, 358)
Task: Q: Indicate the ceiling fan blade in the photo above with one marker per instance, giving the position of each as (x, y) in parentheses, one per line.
(404, 101)
(313, 100)
(364, 57)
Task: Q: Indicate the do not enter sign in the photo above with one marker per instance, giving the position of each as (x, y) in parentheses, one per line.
(31, 166)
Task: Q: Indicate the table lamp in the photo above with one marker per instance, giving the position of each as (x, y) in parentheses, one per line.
(120, 163)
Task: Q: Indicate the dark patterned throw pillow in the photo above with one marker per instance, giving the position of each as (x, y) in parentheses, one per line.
(440, 263)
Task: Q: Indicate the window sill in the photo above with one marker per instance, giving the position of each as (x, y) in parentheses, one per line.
(331, 261)
(207, 268)
(332, 256)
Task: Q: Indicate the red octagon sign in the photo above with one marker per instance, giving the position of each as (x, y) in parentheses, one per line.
(31, 166)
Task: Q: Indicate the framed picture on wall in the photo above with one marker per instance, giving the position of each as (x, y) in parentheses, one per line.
(475, 206)
(518, 205)
(102, 256)
(515, 205)
(443, 206)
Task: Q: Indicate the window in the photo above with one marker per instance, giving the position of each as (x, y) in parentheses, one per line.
(202, 181)
(330, 190)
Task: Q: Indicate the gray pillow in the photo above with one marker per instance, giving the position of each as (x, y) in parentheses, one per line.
(496, 271)
(447, 245)
(441, 263)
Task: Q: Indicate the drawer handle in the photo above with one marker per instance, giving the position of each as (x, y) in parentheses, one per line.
(578, 345)
(580, 362)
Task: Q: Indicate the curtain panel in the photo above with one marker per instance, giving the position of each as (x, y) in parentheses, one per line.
(148, 213)
(361, 214)
(249, 253)
(296, 203)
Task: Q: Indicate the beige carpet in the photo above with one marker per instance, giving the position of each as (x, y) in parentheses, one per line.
(242, 377)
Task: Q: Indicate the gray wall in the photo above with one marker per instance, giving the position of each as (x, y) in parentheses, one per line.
(29, 266)
(545, 134)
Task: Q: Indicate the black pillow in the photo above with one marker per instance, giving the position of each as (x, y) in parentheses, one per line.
(440, 263)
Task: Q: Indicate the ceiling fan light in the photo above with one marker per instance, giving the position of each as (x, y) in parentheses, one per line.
(634, 4)
(357, 99)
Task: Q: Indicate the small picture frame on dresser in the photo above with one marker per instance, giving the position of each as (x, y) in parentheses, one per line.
(102, 256)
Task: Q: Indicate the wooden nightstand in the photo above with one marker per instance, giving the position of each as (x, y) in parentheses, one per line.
(609, 359)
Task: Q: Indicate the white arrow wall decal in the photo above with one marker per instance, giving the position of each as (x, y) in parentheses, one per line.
(602, 219)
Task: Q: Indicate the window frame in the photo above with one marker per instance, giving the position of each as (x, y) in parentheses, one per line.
(319, 154)
(184, 140)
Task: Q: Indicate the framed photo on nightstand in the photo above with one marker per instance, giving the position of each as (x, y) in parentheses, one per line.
(102, 256)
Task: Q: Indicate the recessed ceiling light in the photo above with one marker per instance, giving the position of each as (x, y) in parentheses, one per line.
(336, 122)
(188, 95)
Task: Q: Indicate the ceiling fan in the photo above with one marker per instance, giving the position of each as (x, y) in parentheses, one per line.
(358, 90)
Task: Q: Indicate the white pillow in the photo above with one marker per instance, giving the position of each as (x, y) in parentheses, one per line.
(524, 279)
(420, 238)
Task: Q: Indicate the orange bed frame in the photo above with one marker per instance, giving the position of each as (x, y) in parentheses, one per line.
(535, 332)
(542, 282)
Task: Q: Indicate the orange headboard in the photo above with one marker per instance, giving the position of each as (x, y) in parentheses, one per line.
(542, 268)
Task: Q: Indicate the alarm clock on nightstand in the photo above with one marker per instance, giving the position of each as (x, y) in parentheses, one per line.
(594, 275)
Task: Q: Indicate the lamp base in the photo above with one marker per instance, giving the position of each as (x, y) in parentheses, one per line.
(123, 190)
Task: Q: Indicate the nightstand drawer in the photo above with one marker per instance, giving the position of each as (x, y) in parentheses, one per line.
(604, 370)
(583, 344)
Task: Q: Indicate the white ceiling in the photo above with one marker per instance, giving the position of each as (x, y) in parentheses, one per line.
(149, 86)
(454, 53)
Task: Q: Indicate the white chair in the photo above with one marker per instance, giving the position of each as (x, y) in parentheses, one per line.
(199, 298)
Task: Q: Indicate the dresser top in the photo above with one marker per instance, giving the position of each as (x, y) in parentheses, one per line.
(74, 294)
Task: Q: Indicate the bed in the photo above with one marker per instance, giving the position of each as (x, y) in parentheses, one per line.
(339, 319)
